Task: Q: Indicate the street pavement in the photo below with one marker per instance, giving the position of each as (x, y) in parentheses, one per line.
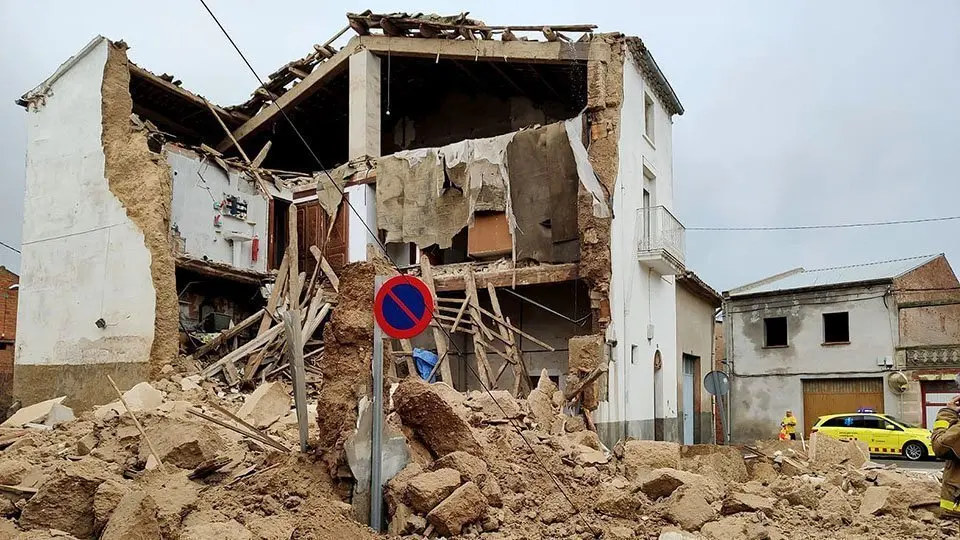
(925, 465)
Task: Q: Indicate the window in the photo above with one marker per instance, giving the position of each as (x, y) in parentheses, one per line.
(775, 332)
(836, 327)
(836, 422)
(872, 422)
(648, 116)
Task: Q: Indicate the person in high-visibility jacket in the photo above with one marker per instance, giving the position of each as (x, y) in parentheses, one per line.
(946, 445)
(789, 424)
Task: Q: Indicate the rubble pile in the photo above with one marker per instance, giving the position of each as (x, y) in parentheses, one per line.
(97, 476)
(188, 458)
(480, 470)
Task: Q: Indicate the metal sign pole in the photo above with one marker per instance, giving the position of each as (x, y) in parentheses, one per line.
(376, 429)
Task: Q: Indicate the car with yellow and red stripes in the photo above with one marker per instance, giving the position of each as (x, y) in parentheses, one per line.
(884, 434)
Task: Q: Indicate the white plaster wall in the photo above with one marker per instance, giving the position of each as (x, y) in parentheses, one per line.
(639, 296)
(195, 200)
(83, 259)
(767, 381)
(363, 198)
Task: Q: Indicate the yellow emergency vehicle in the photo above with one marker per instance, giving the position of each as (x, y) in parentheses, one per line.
(884, 434)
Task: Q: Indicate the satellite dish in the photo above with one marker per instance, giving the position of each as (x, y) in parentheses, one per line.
(717, 383)
(898, 382)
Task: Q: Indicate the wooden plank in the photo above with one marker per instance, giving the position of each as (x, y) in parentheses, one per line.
(443, 349)
(243, 351)
(521, 383)
(479, 351)
(315, 322)
(179, 90)
(228, 334)
(292, 324)
(331, 275)
(262, 155)
(307, 294)
(463, 309)
(592, 376)
(253, 365)
(305, 88)
(243, 154)
(275, 295)
(293, 248)
(143, 433)
(531, 275)
(253, 435)
(507, 323)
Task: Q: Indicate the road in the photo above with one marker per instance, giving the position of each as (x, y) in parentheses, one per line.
(925, 465)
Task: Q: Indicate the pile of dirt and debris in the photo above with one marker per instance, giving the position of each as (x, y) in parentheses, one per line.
(205, 463)
(188, 457)
(198, 463)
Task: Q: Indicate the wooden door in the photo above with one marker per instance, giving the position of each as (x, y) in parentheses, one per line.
(838, 396)
(312, 226)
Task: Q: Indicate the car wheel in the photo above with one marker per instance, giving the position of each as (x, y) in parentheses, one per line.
(914, 451)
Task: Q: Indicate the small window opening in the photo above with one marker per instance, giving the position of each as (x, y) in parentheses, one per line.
(836, 327)
(648, 116)
(775, 332)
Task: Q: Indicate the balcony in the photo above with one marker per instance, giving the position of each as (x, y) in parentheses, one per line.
(660, 241)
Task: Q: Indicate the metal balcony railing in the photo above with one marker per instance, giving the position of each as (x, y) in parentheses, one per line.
(660, 235)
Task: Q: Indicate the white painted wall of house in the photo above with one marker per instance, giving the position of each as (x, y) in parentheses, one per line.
(768, 381)
(82, 258)
(639, 296)
(194, 210)
(363, 198)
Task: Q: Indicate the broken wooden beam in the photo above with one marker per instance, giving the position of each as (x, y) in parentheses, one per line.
(136, 422)
(292, 323)
(530, 275)
(275, 295)
(243, 154)
(228, 334)
(521, 383)
(241, 352)
(479, 351)
(584, 382)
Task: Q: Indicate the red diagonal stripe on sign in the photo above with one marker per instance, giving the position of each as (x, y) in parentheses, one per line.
(413, 318)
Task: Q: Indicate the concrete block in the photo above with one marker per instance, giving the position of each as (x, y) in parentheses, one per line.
(33, 414)
(267, 404)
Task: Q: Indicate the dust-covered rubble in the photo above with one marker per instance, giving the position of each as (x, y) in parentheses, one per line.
(478, 466)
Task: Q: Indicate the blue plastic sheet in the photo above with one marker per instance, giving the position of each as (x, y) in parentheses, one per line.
(425, 360)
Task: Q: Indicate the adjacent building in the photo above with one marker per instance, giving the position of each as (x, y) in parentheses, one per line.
(883, 336)
(9, 292)
(697, 307)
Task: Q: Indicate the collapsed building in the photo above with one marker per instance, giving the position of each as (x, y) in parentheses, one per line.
(528, 181)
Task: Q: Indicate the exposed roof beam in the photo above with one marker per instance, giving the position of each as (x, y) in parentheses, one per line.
(185, 94)
(517, 51)
(300, 91)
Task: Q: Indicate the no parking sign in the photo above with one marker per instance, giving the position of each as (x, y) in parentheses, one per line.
(403, 307)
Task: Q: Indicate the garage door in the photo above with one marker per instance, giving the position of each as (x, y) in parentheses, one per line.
(835, 396)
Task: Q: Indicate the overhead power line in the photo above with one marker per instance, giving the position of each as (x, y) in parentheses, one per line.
(834, 226)
(8, 246)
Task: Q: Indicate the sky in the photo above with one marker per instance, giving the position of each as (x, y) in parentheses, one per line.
(797, 113)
